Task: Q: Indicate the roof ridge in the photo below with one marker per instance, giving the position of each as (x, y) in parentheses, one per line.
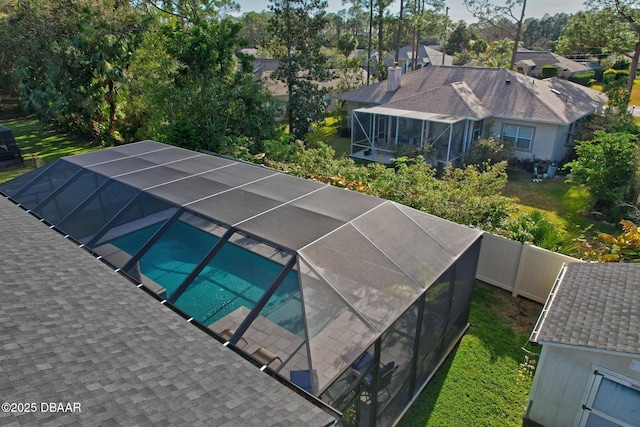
(529, 89)
(464, 97)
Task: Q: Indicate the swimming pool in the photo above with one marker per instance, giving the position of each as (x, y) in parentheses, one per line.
(235, 277)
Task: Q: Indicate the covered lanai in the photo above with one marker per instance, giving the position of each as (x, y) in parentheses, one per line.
(443, 135)
(355, 299)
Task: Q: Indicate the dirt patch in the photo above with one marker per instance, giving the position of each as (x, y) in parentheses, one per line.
(521, 312)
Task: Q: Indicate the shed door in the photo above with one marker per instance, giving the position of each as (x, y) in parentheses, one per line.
(612, 401)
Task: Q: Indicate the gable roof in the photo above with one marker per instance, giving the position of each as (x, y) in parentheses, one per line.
(455, 99)
(504, 93)
(435, 57)
(540, 58)
(406, 52)
(595, 305)
(73, 330)
(426, 56)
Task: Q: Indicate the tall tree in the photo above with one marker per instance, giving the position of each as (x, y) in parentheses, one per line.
(539, 33)
(73, 61)
(492, 14)
(421, 20)
(595, 33)
(254, 27)
(381, 6)
(607, 165)
(215, 99)
(629, 12)
(297, 26)
(459, 39)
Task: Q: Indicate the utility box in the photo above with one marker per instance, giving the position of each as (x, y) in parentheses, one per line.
(9, 151)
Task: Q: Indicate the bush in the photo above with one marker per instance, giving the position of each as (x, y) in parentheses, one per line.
(489, 150)
(607, 165)
(621, 64)
(535, 228)
(549, 71)
(615, 77)
(583, 79)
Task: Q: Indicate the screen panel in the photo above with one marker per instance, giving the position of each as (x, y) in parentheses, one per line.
(188, 190)
(45, 184)
(411, 248)
(375, 286)
(86, 220)
(62, 202)
(9, 188)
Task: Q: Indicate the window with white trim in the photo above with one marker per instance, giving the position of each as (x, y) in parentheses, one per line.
(521, 136)
(613, 400)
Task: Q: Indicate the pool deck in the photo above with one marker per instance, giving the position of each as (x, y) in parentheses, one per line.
(290, 348)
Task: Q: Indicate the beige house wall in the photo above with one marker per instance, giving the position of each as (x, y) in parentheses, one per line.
(545, 137)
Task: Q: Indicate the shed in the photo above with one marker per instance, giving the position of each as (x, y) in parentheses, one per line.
(589, 368)
(354, 299)
(9, 151)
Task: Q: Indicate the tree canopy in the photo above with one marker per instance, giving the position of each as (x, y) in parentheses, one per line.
(296, 26)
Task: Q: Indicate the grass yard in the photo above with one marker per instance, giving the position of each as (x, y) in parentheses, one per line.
(40, 145)
(328, 133)
(562, 202)
(480, 383)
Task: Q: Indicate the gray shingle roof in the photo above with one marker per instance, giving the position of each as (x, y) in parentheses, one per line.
(596, 306)
(552, 100)
(73, 330)
(544, 57)
(456, 99)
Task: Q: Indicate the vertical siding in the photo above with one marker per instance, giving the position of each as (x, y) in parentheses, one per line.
(562, 379)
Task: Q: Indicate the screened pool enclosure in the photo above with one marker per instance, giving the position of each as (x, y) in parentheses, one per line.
(355, 299)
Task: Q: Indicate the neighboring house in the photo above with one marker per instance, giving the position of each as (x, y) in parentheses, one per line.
(435, 57)
(589, 368)
(425, 56)
(263, 68)
(442, 110)
(531, 62)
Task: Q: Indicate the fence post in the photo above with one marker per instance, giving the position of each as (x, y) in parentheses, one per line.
(523, 255)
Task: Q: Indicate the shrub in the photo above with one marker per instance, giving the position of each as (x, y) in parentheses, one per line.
(583, 79)
(621, 64)
(607, 165)
(489, 150)
(535, 228)
(549, 71)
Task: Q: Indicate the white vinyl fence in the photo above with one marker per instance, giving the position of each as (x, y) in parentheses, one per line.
(520, 268)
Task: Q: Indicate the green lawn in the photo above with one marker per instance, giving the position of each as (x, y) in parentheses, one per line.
(40, 145)
(328, 133)
(563, 203)
(479, 384)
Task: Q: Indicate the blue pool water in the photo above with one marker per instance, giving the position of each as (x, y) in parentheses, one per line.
(234, 278)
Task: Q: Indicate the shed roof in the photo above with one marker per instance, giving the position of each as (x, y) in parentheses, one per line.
(595, 305)
(73, 330)
(502, 92)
